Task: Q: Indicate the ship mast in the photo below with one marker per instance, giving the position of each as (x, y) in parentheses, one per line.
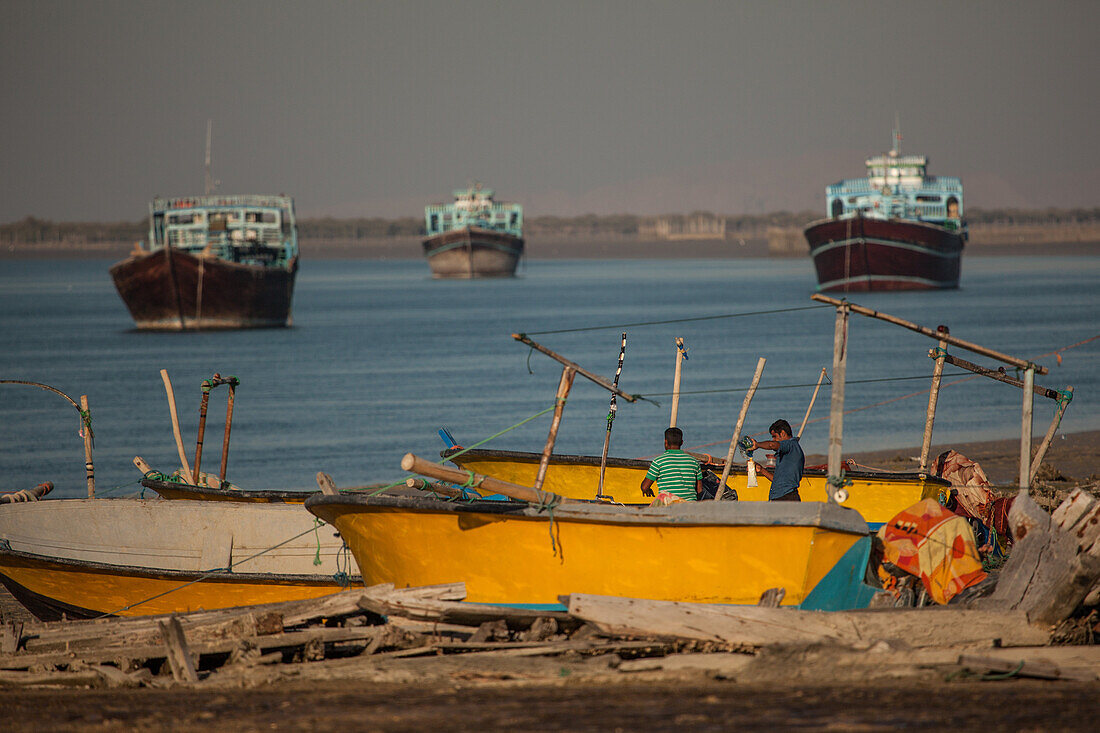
(210, 182)
(897, 135)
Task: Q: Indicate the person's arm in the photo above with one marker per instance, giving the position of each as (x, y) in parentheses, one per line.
(762, 470)
(698, 489)
(646, 483)
(764, 444)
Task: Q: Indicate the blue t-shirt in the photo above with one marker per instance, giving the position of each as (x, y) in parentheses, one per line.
(789, 461)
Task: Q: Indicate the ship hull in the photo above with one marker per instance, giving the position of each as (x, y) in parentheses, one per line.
(861, 254)
(472, 252)
(171, 290)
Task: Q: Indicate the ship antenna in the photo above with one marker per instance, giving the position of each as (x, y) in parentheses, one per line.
(897, 134)
(211, 184)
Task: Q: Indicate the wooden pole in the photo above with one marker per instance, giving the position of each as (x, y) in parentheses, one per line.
(433, 487)
(326, 484)
(228, 424)
(176, 427)
(522, 338)
(610, 420)
(813, 399)
(680, 352)
(1037, 459)
(202, 430)
(933, 397)
(86, 430)
(836, 408)
(415, 464)
(1025, 429)
(566, 383)
(1000, 376)
(1012, 360)
(737, 429)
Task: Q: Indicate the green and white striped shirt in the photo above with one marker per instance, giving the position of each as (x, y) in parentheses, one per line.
(676, 472)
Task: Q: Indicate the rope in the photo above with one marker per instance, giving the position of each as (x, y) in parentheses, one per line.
(210, 573)
(85, 417)
(798, 386)
(621, 326)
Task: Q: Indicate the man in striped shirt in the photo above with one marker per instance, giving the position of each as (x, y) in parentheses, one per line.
(674, 471)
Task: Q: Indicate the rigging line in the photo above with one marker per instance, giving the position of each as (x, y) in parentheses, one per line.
(678, 320)
(794, 386)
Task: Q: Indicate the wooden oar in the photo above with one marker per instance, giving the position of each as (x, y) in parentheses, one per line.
(433, 488)
(186, 468)
(415, 464)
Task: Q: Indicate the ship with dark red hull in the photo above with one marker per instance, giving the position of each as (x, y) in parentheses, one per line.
(897, 229)
(473, 237)
(213, 262)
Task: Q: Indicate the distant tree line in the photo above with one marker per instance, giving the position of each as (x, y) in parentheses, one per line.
(32, 230)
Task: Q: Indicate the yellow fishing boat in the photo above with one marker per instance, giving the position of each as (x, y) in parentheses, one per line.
(521, 554)
(877, 496)
(128, 557)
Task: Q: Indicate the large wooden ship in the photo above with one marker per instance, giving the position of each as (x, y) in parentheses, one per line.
(897, 229)
(474, 236)
(212, 262)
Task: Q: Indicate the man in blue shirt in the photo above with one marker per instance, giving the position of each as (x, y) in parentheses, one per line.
(789, 462)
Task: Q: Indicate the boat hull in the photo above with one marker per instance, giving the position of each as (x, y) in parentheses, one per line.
(172, 290)
(876, 496)
(861, 254)
(473, 252)
(131, 557)
(515, 554)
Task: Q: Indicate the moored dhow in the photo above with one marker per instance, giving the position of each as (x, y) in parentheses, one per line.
(877, 496)
(473, 237)
(131, 557)
(525, 554)
(897, 229)
(213, 262)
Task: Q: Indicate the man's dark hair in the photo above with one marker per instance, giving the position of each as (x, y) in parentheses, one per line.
(675, 437)
(781, 426)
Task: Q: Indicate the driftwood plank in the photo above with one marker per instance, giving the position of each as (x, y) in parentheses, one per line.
(753, 626)
(462, 613)
(178, 653)
(1024, 667)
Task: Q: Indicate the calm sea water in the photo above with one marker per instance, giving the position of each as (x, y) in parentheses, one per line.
(380, 357)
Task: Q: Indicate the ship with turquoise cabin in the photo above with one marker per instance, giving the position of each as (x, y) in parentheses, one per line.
(473, 237)
(897, 229)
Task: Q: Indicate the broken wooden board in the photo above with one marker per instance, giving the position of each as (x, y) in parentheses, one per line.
(1055, 565)
(1024, 667)
(468, 614)
(754, 627)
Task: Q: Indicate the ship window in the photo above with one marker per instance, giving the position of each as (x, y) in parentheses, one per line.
(514, 220)
(927, 197)
(838, 206)
(435, 222)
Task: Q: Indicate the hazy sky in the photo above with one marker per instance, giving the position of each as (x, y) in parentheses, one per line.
(376, 108)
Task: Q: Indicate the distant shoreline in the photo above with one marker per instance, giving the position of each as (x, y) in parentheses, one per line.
(547, 248)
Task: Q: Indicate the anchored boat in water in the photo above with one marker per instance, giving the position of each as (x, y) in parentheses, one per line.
(474, 236)
(213, 262)
(897, 229)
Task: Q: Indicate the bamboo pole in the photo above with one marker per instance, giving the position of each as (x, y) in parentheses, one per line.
(933, 398)
(1037, 459)
(228, 423)
(1025, 429)
(522, 338)
(813, 399)
(415, 464)
(836, 408)
(1000, 376)
(566, 383)
(737, 429)
(86, 431)
(610, 420)
(433, 488)
(969, 346)
(680, 356)
(186, 468)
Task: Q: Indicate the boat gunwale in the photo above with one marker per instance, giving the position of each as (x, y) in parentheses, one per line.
(213, 575)
(579, 460)
(685, 514)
